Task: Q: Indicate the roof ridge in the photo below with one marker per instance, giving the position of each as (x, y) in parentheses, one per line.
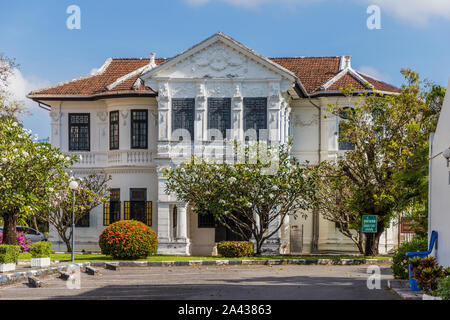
(98, 72)
(374, 78)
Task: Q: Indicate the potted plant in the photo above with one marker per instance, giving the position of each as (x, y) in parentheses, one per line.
(40, 254)
(9, 256)
(427, 273)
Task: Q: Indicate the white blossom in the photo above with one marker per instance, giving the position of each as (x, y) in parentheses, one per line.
(249, 205)
(232, 180)
(14, 124)
(271, 196)
(25, 154)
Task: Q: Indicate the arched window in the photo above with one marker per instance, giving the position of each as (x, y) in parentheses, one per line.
(344, 140)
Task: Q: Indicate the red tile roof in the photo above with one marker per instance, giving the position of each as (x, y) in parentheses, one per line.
(313, 73)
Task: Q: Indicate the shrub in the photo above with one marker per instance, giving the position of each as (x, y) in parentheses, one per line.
(443, 288)
(427, 272)
(41, 249)
(232, 249)
(9, 253)
(128, 239)
(400, 261)
(22, 241)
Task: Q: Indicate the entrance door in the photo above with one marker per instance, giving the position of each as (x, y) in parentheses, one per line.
(296, 239)
(138, 198)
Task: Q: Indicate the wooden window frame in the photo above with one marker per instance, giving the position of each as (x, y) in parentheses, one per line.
(72, 124)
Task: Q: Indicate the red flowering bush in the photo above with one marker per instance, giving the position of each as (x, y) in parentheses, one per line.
(233, 249)
(128, 239)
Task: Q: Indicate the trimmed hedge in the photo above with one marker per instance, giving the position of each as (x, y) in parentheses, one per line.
(400, 261)
(9, 253)
(128, 239)
(233, 249)
(41, 249)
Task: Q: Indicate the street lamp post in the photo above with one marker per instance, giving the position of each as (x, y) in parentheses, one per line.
(73, 185)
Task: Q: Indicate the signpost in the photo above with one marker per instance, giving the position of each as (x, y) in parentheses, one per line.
(369, 224)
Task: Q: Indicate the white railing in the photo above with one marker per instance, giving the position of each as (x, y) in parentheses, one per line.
(113, 158)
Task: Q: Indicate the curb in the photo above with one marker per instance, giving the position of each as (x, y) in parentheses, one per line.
(242, 262)
(11, 278)
(401, 287)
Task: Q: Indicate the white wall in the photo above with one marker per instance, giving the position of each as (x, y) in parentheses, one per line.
(439, 217)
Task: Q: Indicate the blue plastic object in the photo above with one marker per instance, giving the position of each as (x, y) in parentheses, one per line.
(422, 254)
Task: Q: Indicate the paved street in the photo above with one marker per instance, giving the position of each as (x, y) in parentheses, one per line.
(215, 282)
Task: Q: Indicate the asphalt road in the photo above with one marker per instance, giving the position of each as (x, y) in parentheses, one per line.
(283, 282)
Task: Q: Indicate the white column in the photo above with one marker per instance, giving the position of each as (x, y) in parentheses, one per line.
(163, 222)
(273, 111)
(181, 222)
(237, 116)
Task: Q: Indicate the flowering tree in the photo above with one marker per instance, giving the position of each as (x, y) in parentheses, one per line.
(28, 171)
(91, 193)
(248, 196)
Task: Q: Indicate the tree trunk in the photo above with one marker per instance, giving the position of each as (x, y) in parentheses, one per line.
(9, 228)
(372, 241)
(65, 239)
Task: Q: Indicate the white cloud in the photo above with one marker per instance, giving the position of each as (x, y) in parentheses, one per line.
(374, 73)
(19, 86)
(418, 12)
(247, 3)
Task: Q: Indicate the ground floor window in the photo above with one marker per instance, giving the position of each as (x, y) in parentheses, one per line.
(138, 208)
(111, 209)
(83, 222)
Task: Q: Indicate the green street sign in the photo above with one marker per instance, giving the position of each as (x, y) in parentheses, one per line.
(369, 224)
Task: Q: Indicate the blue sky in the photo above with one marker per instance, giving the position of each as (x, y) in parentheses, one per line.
(414, 33)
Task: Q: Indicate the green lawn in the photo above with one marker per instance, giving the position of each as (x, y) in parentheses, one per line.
(101, 257)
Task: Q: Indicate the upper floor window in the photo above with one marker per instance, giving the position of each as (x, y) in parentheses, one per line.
(79, 132)
(139, 129)
(255, 116)
(114, 130)
(344, 140)
(183, 115)
(219, 117)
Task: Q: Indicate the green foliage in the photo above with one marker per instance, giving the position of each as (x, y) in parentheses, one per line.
(234, 249)
(128, 239)
(386, 173)
(261, 188)
(41, 249)
(443, 288)
(427, 272)
(400, 261)
(9, 253)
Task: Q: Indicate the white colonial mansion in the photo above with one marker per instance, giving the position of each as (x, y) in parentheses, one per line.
(123, 119)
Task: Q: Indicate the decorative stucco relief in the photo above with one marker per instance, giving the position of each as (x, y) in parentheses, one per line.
(299, 120)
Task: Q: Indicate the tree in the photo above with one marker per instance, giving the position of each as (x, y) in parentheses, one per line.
(333, 190)
(91, 193)
(390, 133)
(246, 196)
(28, 171)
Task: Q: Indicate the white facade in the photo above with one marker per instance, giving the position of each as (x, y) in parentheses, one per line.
(216, 68)
(439, 217)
